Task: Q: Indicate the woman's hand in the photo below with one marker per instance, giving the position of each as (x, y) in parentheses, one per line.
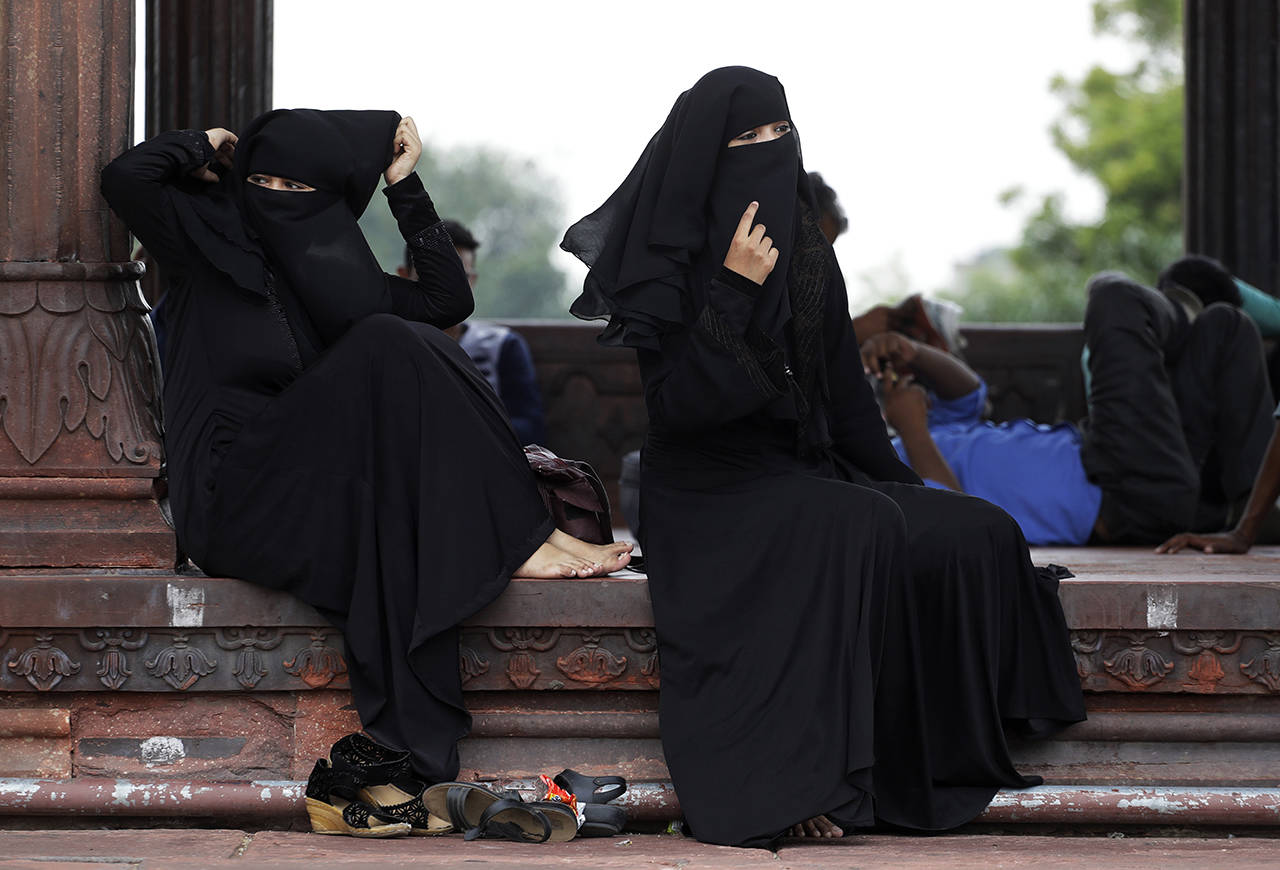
(224, 148)
(891, 347)
(751, 253)
(407, 148)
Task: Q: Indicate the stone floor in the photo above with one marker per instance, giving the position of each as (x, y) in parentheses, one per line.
(156, 849)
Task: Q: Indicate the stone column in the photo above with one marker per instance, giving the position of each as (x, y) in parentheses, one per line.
(1232, 162)
(208, 64)
(80, 451)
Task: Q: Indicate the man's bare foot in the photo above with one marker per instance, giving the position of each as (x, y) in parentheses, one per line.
(606, 557)
(818, 826)
(549, 562)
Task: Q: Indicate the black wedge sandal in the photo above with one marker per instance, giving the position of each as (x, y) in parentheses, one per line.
(334, 807)
(386, 781)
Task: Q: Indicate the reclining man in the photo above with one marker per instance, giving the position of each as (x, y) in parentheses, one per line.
(1179, 420)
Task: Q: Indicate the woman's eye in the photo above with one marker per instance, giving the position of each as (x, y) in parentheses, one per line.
(782, 128)
(747, 136)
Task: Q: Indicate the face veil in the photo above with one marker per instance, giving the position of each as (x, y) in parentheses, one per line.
(312, 236)
(664, 232)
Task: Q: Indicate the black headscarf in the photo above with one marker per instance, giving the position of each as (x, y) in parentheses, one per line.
(655, 243)
(312, 237)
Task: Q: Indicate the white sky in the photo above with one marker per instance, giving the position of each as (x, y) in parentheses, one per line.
(918, 113)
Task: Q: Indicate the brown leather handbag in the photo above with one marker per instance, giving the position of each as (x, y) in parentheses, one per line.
(573, 494)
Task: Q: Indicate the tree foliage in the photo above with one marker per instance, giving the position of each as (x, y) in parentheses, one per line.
(512, 209)
(1124, 130)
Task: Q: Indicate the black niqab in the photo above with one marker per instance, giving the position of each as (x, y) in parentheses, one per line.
(313, 237)
(665, 231)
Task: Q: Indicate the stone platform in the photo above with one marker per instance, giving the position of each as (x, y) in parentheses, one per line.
(210, 698)
(161, 850)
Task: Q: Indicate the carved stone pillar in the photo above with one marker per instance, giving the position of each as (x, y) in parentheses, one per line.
(80, 450)
(208, 64)
(1232, 162)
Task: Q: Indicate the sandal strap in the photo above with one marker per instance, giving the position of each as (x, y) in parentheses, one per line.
(455, 801)
(591, 789)
(490, 829)
(358, 813)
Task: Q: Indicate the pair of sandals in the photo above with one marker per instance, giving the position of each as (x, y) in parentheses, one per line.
(365, 789)
(483, 813)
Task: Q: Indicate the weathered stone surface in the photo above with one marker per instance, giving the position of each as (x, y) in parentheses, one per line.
(985, 852)
(123, 845)
(173, 737)
(629, 851)
(35, 742)
(320, 719)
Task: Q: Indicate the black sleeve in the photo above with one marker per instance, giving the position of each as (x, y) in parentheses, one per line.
(857, 427)
(138, 187)
(717, 370)
(441, 296)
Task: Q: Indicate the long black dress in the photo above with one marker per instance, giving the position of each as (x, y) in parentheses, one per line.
(828, 629)
(331, 441)
(834, 637)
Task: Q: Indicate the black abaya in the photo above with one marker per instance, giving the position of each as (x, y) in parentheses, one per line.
(849, 638)
(835, 638)
(324, 437)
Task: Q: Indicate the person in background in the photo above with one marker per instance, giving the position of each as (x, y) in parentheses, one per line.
(1259, 512)
(1209, 281)
(831, 217)
(1179, 418)
(499, 352)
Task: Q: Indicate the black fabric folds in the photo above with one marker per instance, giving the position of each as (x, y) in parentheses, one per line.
(665, 231)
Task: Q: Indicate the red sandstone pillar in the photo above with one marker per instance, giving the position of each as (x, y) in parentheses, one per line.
(80, 447)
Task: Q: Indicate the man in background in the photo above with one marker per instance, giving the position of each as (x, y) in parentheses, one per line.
(500, 353)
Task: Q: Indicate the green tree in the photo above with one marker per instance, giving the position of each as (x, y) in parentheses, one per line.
(1124, 130)
(513, 210)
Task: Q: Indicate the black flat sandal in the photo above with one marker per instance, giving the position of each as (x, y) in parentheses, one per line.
(486, 814)
(599, 818)
(386, 781)
(334, 807)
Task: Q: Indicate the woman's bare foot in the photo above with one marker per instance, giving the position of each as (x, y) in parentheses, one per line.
(606, 557)
(818, 826)
(549, 562)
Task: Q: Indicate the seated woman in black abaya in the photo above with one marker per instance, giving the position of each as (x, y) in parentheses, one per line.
(857, 648)
(323, 435)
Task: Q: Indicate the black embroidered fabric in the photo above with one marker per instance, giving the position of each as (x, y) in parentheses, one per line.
(757, 360)
(277, 310)
(807, 278)
(434, 237)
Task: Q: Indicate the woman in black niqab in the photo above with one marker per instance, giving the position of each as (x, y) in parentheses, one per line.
(857, 645)
(323, 435)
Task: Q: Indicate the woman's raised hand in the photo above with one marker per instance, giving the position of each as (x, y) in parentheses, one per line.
(407, 148)
(751, 253)
(224, 148)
